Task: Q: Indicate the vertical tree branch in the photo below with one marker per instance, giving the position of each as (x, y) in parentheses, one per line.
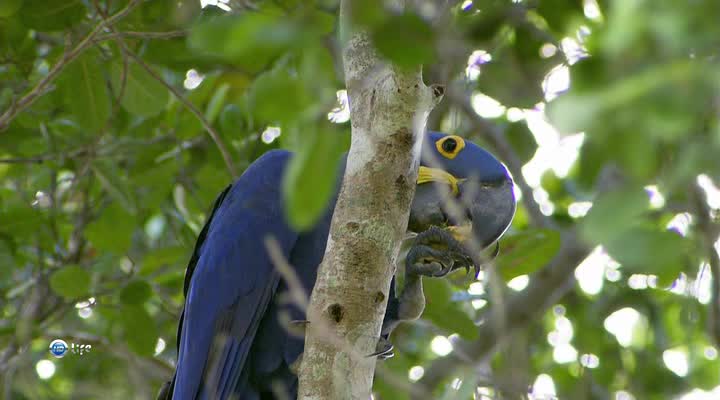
(709, 231)
(388, 111)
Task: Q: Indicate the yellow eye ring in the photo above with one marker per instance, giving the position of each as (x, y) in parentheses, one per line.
(450, 146)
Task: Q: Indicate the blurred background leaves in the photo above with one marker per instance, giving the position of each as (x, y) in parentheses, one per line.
(605, 111)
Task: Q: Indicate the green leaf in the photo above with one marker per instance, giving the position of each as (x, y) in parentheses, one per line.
(445, 313)
(251, 39)
(136, 292)
(113, 230)
(43, 15)
(578, 110)
(559, 14)
(21, 221)
(317, 69)
(593, 155)
(155, 183)
(511, 74)
(311, 177)
(84, 92)
(70, 282)
(141, 333)
(9, 7)
(216, 102)
(483, 21)
(573, 113)
(142, 94)
(385, 384)
(16, 41)
(115, 184)
(406, 40)
(278, 96)
(521, 139)
(526, 251)
(232, 120)
(649, 250)
(367, 13)
(7, 257)
(613, 212)
(172, 256)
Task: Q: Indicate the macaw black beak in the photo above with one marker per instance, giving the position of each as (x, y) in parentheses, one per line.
(489, 206)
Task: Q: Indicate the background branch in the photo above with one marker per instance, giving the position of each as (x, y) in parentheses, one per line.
(710, 231)
(191, 107)
(546, 287)
(504, 151)
(41, 87)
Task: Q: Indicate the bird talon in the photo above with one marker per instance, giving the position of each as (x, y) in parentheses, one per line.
(385, 356)
(383, 349)
(446, 268)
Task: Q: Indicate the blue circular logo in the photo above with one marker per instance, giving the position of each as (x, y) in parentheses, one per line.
(58, 348)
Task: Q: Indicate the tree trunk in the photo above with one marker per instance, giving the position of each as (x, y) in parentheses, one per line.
(388, 111)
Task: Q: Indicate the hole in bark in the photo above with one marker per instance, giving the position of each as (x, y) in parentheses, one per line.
(336, 312)
(353, 227)
(379, 297)
(438, 90)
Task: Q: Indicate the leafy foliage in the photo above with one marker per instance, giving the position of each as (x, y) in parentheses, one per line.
(116, 119)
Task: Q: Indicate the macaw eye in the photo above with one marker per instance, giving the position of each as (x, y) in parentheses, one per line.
(450, 146)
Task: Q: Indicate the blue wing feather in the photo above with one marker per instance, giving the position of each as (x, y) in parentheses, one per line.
(232, 282)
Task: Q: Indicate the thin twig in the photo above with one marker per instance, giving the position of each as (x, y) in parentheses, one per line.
(299, 297)
(297, 292)
(191, 107)
(546, 287)
(142, 35)
(41, 87)
(123, 75)
(127, 53)
(30, 160)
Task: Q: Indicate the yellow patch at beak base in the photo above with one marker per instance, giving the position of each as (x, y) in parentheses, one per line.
(426, 175)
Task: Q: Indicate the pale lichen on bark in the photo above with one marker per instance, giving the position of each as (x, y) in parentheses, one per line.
(388, 110)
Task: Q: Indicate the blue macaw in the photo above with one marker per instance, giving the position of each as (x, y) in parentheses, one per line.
(234, 337)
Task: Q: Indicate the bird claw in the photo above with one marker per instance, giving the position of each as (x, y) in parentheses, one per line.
(383, 349)
(436, 253)
(430, 265)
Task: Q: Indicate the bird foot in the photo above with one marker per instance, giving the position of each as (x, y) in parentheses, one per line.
(383, 349)
(436, 253)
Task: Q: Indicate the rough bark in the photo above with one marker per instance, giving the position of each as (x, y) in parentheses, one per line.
(388, 111)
